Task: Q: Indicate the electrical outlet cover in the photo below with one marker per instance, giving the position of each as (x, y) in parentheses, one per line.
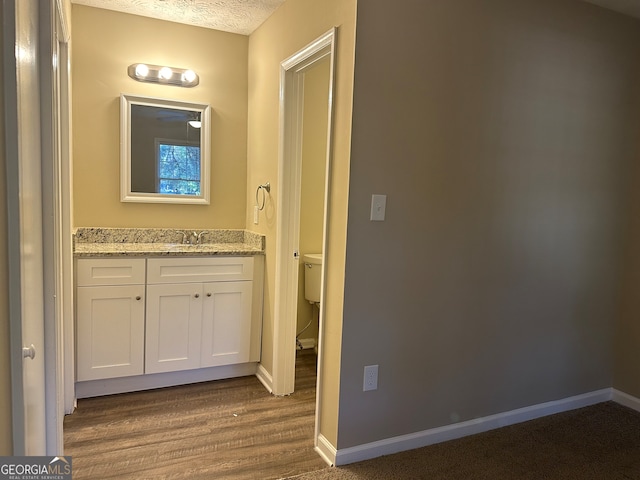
(370, 378)
(378, 207)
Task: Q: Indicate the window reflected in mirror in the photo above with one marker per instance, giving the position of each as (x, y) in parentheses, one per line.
(178, 168)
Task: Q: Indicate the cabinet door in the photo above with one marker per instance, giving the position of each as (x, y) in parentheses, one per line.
(226, 323)
(174, 313)
(110, 328)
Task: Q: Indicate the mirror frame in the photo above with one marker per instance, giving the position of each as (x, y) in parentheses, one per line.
(126, 195)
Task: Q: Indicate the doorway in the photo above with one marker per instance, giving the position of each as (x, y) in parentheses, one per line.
(290, 175)
(315, 100)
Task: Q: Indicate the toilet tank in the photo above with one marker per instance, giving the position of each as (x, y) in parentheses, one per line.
(312, 276)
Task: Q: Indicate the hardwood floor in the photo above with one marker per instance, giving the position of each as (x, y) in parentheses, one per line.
(227, 429)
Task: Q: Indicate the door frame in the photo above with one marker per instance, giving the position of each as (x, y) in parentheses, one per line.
(35, 223)
(57, 253)
(288, 213)
(24, 225)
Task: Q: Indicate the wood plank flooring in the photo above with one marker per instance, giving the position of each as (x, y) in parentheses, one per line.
(227, 429)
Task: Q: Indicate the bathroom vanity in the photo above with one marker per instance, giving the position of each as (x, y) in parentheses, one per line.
(152, 311)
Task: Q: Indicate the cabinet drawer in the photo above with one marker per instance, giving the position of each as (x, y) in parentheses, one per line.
(110, 271)
(181, 270)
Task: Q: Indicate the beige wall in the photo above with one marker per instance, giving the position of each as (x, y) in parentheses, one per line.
(105, 43)
(503, 132)
(5, 372)
(314, 165)
(294, 25)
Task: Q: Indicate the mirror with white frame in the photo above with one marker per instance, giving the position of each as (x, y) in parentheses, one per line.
(164, 150)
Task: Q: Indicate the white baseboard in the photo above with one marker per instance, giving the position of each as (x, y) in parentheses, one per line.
(110, 386)
(265, 378)
(325, 450)
(626, 400)
(449, 432)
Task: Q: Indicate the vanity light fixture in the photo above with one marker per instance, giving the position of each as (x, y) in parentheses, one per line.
(182, 77)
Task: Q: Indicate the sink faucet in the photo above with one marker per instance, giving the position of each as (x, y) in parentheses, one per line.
(191, 238)
(184, 236)
(198, 236)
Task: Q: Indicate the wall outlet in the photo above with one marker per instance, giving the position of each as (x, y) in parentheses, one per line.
(370, 378)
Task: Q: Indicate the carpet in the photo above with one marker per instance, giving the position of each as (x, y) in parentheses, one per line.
(598, 442)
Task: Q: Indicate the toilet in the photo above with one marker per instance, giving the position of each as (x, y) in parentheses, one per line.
(312, 276)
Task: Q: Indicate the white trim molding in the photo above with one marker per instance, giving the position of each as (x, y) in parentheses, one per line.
(326, 450)
(135, 383)
(450, 432)
(626, 400)
(265, 378)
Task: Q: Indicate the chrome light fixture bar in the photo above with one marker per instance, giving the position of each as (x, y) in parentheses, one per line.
(181, 77)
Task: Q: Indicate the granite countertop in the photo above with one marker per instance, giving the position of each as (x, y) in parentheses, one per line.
(146, 242)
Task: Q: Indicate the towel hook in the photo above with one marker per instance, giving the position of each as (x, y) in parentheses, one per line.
(264, 187)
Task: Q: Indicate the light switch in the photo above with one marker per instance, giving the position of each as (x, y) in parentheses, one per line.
(378, 206)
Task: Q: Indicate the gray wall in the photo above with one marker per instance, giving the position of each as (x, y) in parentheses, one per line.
(503, 133)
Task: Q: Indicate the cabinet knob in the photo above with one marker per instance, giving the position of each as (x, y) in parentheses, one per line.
(208, 294)
(197, 295)
(138, 297)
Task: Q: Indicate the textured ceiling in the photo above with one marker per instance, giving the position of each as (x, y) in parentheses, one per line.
(236, 16)
(244, 16)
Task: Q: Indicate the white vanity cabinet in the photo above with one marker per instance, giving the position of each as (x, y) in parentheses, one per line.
(110, 308)
(160, 321)
(199, 312)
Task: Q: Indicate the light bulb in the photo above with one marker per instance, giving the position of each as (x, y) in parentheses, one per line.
(189, 76)
(142, 70)
(195, 123)
(165, 73)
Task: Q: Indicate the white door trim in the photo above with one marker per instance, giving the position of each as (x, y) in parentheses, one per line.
(58, 266)
(289, 181)
(66, 226)
(25, 224)
(34, 224)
